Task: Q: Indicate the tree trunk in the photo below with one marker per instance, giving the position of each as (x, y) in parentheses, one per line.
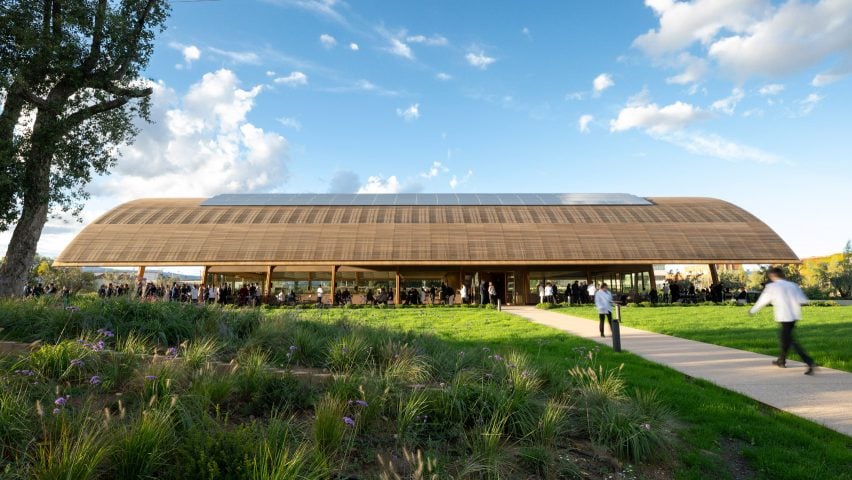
(22, 249)
(36, 202)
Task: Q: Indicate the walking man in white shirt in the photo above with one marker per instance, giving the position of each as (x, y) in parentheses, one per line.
(786, 299)
(319, 296)
(603, 302)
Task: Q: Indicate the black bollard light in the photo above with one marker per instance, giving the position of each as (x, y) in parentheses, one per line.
(616, 329)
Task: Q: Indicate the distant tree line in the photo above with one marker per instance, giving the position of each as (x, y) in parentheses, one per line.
(821, 277)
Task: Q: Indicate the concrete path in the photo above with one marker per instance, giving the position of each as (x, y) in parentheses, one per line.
(824, 398)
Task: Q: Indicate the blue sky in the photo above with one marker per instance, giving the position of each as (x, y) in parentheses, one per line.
(744, 100)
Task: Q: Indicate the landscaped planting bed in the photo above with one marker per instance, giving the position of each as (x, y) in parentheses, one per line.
(122, 389)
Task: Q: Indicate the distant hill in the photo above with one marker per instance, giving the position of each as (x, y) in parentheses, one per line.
(151, 275)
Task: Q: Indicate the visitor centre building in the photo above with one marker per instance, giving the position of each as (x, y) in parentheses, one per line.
(296, 242)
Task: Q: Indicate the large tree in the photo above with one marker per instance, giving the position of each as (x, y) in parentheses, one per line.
(71, 86)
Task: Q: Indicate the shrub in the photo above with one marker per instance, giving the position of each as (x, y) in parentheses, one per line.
(628, 432)
(329, 425)
(823, 303)
(15, 424)
(144, 446)
(285, 463)
(404, 364)
(215, 453)
(71, 450)
(200, 351)
(347, 354)
(411, 409)
(62, 360)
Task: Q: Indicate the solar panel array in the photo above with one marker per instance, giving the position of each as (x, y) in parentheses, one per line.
(423, 199)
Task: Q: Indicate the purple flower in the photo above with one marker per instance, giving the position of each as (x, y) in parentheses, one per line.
(646, 426)
(461, 354)
(105, 332)
(56, 411)
(361, 403)
(150, 377)
(510, 365)
(345, 350)
(424, 418)
(171, 352)
(77, 363)
(60, 401)
(349, 421)
(24, 373)
(293, 348)
(95, 380)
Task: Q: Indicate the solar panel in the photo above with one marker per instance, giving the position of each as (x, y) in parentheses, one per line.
(425, 199)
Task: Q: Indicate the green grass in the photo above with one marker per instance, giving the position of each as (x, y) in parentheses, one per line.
(824, 332)
(775, 444)
(523, 412)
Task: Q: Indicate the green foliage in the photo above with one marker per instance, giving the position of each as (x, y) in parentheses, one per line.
(55, 361)
(73, 449)
(329, 426)
(346, 354)
(214, 453)
(144, 446)
(15, 423)
(198, 352)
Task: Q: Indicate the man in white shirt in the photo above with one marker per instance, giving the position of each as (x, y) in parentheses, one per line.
(319, 296)
(786, 299)
(591, 290)
(603, 302)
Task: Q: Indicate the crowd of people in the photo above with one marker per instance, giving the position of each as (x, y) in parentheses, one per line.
(35, 290)
(574, 293)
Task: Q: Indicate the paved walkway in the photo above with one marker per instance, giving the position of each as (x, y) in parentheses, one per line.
(824, 398)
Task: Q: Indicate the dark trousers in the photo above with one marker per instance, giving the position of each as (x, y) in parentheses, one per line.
(787, 341)
(608, 318)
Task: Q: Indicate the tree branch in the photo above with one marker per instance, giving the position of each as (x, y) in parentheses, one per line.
(32, 97)
(124, 61)
(97, 38)
(85, 113)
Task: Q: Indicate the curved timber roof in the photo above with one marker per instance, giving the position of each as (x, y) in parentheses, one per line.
(554, 229)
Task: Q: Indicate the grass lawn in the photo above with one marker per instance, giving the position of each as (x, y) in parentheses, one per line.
(825, 332)
(720, 428)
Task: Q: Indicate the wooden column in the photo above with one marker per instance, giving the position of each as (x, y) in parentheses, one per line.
(333, 282)
(139, 276)
(652, 278)
(714, 274)
(396, 290)
(267, 286)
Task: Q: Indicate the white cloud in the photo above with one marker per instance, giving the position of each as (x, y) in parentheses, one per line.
(322, 8)
(327, 41)
(378, 184)
(400, 49)
(443, 76)
(344, 181)
(479, 59)
(290, 122)
(526, 32)
(668, 124)
(729, 103)
(771, 89)
(823, 79)
(602, 82)
(270, 73)
(411, 113)
(434, 170)
(455, 181)
(693, 69)
(199, 144)
(756, 38)
(655, 119)
(583, 123)
(191, 53)
(717, 147)
(807, 104)
(354, 47)
(247, 57)
(295, 79)
(434, 40)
